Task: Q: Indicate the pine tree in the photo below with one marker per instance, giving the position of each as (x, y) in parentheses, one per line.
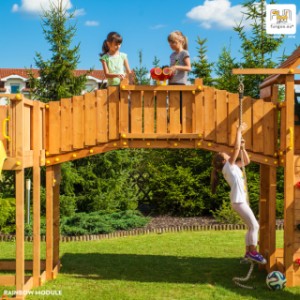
(141, 72)
(57, 78)
(258, 46)
(224, 66)
(156, 62)
(202, 68)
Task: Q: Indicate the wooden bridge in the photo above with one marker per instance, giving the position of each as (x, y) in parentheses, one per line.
(36, 134)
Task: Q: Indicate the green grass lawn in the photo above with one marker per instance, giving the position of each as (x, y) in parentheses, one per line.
(169, 266)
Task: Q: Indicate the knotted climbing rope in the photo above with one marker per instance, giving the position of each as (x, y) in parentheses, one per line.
(241, 97)
(239, 280)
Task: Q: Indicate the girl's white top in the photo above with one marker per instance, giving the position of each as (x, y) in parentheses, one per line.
(234, 176)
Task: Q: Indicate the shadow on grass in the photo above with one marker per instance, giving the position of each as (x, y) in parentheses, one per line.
(217, 272)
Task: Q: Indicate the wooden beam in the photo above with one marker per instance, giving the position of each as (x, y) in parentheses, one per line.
(161, 88)
(263, 71)
(289, 179)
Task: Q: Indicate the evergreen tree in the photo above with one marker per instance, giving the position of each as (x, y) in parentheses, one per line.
(224, 66)
(141, 72)
(156, 62)
(57, 78)
(202, 68)
(258, 46)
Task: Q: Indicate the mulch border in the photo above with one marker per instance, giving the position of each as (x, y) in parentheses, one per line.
(138, 231)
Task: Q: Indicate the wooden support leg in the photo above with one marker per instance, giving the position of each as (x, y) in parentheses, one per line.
(20, 246)
(49, 221)
(289, 180)
(36, 136)
(36, 226)
(53, 174)
(267, 214)
(56, 215)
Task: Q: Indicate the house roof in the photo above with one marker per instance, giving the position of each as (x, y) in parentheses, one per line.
(292, 62)
(5, 72)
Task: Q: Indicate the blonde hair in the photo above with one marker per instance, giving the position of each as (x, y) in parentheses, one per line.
(178, 36)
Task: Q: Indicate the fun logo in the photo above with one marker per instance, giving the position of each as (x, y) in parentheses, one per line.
(281, 19)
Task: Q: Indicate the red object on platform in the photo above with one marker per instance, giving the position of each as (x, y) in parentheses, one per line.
(298, 184)
(297, 261)
(161, 74)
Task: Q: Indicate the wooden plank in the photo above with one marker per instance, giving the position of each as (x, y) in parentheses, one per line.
(209, 114)
(269, 128)
(136, 112)
(102, 116)
(247, 118)
(54, 127)
(257, 127)
(221, 117)
(265, 71)
(158, 88)
(199, 113)
(78, 122)
(162, 136)
(161, 112)
(188, 106)
(27, 127)
(283, 128)
(124, 112)
(7, 280)
(233, 117)
(10, 265)
(66, 124)
(174, 102)
(90, 123)
(149, 101)
(113, 108)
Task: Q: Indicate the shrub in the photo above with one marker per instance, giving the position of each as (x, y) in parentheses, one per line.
(7, 215)
(101, 222)
(226, 214)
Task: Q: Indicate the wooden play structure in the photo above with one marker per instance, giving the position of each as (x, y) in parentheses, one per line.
(36, 134)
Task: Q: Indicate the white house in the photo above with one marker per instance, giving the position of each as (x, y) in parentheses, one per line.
(14, 81)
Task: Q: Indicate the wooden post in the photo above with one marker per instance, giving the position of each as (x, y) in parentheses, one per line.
(20, 247)
(56, 214)
(37, 143)
(49, 221)
(18, 109)
(289, 176)
(267, 214)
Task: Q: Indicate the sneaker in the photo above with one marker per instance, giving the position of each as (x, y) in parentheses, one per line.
(256, 257)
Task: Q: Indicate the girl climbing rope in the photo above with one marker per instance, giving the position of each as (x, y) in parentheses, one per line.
(231, 166)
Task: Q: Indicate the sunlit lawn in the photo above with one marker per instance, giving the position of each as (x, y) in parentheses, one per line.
(185, 265)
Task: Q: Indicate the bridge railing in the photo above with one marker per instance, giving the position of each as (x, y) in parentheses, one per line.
(22, 131)
(193, 112)
(196, 111)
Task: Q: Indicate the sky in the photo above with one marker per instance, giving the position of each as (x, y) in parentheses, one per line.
(144, 26)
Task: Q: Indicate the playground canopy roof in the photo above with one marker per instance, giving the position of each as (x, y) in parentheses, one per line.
(292, 62)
